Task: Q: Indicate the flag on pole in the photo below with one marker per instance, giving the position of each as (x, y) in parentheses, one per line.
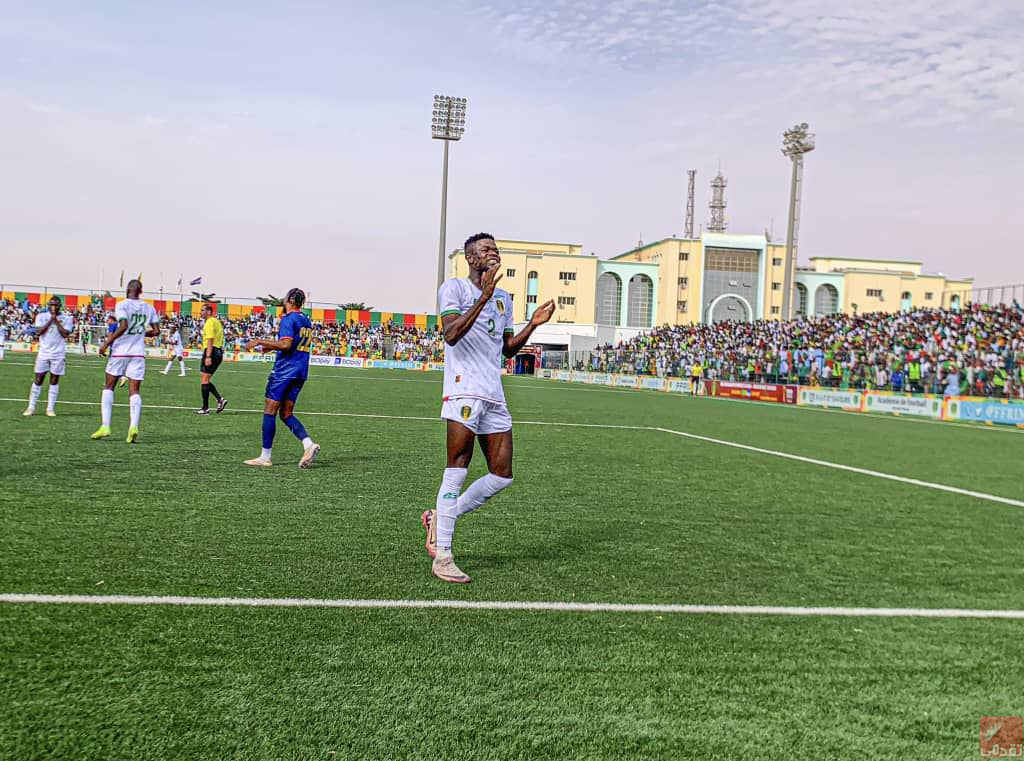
(197, 281)
(121, 284)
(139, 277)
(179, 282)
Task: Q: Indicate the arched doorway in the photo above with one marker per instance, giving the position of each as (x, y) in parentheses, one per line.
(609, 299)
(826, 300)
(801, 298)
(639, 301)
(954, 303)
(729, 306)
(906, 301)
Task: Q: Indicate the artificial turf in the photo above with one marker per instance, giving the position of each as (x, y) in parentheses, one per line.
(596, 514)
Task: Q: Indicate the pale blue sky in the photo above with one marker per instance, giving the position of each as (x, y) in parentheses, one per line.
(266, 145)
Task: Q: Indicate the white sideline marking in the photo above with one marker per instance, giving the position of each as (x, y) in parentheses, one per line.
(849, 468)
(437, 419)
(708, 439)
(567, 607)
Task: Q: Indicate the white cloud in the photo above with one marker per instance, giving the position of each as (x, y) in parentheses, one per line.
(952, 59)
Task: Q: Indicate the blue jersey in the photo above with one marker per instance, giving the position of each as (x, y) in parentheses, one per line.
(294, 363)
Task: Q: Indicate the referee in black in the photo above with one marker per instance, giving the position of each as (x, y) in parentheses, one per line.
(213, 355)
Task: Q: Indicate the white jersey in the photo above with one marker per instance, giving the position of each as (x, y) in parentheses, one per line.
(174, 340)
(472, 367)
(51, 343)
(139, 315)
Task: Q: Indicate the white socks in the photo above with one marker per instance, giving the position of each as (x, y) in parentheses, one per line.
(168, 368)
(134, 410)
(480, 491)
(106, 407)
(265, 454)
(447, 506)
(51, 397)
(33, 396)
(307, 443)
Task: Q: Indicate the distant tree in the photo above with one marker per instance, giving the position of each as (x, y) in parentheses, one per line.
(357, 306)
(270, 300)
(207, 297)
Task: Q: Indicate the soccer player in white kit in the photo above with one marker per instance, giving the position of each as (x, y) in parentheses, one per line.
(177, 351)
(53, 331)
(478, 330)
(136, 321)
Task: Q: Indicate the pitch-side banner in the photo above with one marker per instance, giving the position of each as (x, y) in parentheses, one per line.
(818, 397)
(759, 392)
(980, 410)
(903, 404)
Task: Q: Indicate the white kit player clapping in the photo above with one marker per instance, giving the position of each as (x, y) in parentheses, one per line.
(53, 329)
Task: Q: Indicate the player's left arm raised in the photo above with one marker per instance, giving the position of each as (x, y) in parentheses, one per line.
(513, 343)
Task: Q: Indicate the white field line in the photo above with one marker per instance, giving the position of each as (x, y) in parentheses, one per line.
(566, 607)
(848, 468)
(304, 413)
(697, 437)
(531, 384)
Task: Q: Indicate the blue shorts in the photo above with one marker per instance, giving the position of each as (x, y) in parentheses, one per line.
(279, 389)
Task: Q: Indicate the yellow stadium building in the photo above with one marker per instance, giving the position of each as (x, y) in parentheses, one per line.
(719, 276)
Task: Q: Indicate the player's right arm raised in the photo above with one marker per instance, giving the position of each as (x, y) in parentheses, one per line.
(457, 325)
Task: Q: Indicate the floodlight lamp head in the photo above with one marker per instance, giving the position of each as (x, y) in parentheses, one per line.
(449, 118)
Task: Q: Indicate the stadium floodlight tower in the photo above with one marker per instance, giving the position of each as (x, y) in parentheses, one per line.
(448, 123)
(795, 143)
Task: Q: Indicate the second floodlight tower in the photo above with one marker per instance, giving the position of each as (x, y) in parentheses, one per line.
(448, 123)
(795, 143)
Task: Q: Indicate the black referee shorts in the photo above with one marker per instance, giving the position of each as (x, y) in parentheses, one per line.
(216, 357)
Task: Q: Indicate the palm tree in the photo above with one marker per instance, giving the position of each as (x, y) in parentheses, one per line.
(356, 306)
(270, 300)
(207, 297)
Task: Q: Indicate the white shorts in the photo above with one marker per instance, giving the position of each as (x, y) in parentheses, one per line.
(52, 365)
(175, 354)
(479, 416)
(133, 368)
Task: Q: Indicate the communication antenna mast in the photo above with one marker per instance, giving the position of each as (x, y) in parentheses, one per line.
(688, 228)
(717, 222)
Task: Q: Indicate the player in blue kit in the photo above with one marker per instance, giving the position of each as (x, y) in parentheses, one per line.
(291, 368)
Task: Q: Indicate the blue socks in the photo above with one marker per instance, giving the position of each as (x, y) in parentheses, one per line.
(294, 426)
(269, 429)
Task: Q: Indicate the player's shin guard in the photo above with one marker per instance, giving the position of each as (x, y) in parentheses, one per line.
(51, 397)
(296, 427)
(447, 506)
(269, 430)
(33, 396)
(480, 491)
(134, 410)
(106, 407)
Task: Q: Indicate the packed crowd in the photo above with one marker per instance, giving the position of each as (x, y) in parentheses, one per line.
(389, 341)
(980, 349)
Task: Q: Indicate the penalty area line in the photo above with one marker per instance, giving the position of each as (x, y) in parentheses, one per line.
(848, 468)
(500, 605)
(683, 434)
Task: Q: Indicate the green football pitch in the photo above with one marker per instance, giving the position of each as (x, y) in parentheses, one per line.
(611, 505)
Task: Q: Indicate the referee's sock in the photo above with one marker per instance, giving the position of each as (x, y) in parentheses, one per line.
(213, 390)
(206, 396)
